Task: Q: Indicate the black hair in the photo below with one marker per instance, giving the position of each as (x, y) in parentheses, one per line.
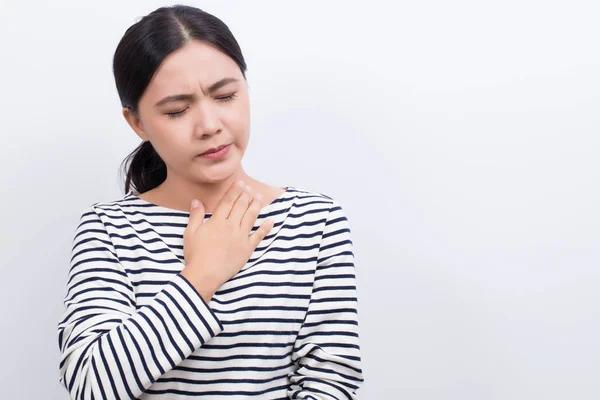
(140, 52)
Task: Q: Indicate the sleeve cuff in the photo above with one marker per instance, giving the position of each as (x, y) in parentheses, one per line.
(191, 311)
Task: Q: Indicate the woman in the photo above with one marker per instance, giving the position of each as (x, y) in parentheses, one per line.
(201, 280)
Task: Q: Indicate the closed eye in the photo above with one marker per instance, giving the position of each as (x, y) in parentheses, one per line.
(176, 114)
(226, 99)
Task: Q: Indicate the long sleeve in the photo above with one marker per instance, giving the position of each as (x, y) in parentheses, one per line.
(111, 348)
(327, 348)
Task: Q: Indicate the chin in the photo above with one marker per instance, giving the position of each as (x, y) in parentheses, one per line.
(203, 171)
(215, 173)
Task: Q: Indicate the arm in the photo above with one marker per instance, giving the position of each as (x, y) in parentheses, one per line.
(109, 347)
(327, 348)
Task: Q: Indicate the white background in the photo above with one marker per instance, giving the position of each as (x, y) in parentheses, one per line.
(461, 138)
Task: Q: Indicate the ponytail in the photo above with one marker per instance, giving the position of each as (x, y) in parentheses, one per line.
(144, 169)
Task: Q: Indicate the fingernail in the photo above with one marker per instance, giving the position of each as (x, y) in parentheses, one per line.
(195, 203)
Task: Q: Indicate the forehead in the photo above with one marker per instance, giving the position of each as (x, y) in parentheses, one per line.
(195, 66)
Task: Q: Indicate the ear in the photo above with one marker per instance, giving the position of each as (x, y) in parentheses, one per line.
(135, 123)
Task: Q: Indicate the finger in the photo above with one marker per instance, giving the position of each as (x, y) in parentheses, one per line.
(240, 206)
(224, 207)
(196, 215)
(252, 213)
(261, 232)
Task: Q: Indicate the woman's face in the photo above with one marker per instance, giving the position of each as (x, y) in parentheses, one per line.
(196, 101)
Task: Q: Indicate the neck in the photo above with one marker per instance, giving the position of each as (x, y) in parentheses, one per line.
(177, 193)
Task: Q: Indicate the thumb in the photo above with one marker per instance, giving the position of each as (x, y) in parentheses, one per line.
(196, 215)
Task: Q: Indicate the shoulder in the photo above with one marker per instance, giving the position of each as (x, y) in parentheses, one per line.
(108, 207)
(333, 203)
(104, 211)
(323, 204)
(124, 202)
(306, 195)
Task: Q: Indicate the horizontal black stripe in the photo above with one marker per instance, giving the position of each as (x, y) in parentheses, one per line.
(234, 369)
(216, 392)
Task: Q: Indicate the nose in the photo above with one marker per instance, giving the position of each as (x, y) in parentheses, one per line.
(207, 120)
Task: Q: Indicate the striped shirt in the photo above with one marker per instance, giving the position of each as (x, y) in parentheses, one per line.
(284, 327)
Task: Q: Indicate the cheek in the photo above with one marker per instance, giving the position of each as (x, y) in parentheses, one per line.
(169, 137)
(239, 122)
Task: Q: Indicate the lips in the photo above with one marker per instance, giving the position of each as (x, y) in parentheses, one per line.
(214, 149)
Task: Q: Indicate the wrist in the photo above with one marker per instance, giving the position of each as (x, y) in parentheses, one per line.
(204, 285)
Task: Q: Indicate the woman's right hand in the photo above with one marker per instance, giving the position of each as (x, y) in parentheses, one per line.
(217, 250)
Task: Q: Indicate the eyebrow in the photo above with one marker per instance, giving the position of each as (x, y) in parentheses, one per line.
(189, 97)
